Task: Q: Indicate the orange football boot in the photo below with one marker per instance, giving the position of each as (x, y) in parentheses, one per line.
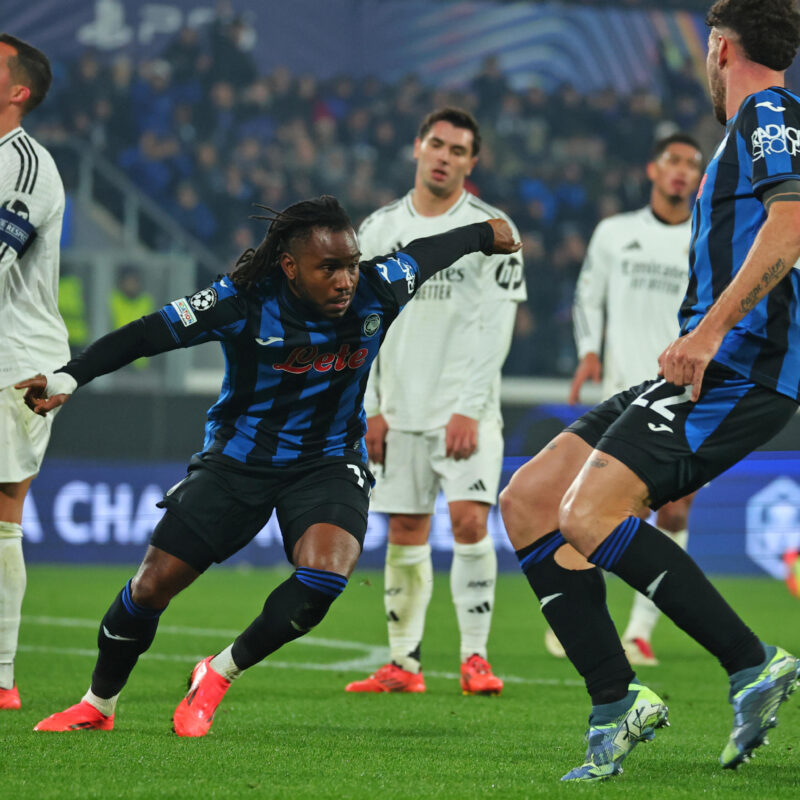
(9, 698)
(477, 677)
(82, 717)
(389, 678)
(195, 713)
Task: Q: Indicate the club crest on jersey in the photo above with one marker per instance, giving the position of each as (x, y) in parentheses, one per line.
(372, 325)
(204, 299)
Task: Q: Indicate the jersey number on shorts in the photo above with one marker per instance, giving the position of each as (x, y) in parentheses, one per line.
(662, 405)
(359, 475)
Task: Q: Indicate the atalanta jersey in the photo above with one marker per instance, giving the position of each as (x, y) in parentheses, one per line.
(294, 380)
(761, 149)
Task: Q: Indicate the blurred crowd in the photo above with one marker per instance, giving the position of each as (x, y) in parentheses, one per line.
(206, 136)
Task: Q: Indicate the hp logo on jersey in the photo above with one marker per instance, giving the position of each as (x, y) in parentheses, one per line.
(204, 299)
(372, 324)
(509, 273)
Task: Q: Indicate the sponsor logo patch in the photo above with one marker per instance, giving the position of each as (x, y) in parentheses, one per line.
(509, 274)
(768, 104)
(372, 325)
(775, 140)
(185, 313)
(204, 299)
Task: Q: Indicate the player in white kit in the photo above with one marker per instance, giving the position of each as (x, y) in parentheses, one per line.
(433, 409)
(626, 304)
(32, 333)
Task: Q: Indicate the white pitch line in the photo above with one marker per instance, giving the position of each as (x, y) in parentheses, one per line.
(374, 655)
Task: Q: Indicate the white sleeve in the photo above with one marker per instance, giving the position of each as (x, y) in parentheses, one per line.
(370, 248)
(372, 396)
(369, 239)
(492, 341)
(29, 196)
(588, 310)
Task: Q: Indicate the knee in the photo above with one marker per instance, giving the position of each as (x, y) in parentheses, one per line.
(528, 509)
(469, 527)
(149, 591)
(577, 523)
(409, 529)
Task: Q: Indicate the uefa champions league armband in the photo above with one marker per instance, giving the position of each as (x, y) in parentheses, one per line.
(15, 231)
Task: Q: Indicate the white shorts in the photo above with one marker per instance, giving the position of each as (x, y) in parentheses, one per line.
(415, 468)
(23, 437)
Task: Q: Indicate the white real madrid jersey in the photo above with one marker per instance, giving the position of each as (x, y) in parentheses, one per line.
(630, 288)
(444, 353)
(33, 337)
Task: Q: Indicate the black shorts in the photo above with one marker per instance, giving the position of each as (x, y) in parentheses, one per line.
(676, 446)
(221, 505)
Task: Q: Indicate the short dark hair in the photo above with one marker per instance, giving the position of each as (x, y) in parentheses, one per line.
(674, 138)
(769, 30)
(31, 68)
(294, 223)
(458, 118)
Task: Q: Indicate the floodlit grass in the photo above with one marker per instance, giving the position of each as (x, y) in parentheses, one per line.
(288, 730)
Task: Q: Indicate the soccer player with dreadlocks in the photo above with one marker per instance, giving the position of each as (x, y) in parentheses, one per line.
(300, 320)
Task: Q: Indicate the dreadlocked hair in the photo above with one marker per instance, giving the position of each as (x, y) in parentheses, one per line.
(294, 223)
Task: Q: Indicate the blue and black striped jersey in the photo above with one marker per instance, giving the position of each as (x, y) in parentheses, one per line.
(761, 149)
(294, 380)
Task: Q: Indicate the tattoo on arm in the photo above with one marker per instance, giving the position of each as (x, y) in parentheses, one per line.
(599, 463)
(774, 274)
(551, 446)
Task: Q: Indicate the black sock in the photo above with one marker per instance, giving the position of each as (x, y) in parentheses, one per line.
(293, 608)
(657, 567)
(127, 630)
(575, 607)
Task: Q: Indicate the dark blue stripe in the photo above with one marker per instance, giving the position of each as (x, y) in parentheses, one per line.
(603, 552)
(323, 575)
(550, 544)
(134, 609)
(611, 550)
(623, 540)
(326, 582)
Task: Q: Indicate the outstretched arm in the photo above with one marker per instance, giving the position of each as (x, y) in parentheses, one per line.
(147, 336)
(435, 253)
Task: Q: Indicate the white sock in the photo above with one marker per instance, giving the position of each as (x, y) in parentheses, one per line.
(408, 586)
(645, 613)
(223, 664)
(473, 576)
(12, 590)
(105, 705)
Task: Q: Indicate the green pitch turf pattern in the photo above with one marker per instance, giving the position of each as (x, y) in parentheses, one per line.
(288, 730)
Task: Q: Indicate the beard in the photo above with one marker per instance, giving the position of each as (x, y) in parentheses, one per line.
(718, 98)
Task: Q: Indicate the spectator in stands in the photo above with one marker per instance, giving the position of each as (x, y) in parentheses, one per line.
(129, 301)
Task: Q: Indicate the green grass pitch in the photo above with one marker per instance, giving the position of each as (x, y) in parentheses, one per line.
(288, 730)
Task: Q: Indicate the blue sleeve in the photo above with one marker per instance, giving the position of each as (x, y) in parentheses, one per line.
(212, 314)
(400, 273)
(407, 270)
(770, 127)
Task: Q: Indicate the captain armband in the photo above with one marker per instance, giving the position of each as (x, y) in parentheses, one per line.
(16, 231)
(785, 191)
